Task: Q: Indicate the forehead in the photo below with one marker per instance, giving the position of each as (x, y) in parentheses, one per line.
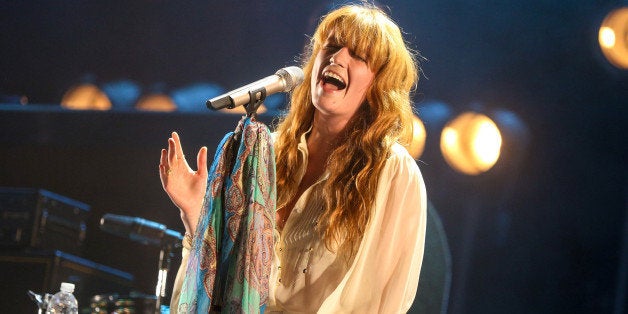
(365, 32)
(347, 38)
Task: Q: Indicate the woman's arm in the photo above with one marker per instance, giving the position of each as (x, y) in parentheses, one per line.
(385, 273)
(186, 189)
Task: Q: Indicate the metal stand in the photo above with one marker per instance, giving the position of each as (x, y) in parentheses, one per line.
(165, 257)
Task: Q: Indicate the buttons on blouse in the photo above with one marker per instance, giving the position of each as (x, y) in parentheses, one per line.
(304, 270)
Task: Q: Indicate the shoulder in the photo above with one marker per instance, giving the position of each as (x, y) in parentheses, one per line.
(399, 157)
(399, 151)
(400, 167)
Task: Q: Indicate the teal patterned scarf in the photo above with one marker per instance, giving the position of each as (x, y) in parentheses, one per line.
(229, 265)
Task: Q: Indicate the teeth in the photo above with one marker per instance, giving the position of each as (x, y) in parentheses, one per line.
(329, 74)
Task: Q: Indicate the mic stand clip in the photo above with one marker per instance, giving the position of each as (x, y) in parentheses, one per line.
(254, 101)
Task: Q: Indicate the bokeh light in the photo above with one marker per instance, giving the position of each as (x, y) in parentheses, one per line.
(613, 37)
(417, 145)
(471, 143)
(85, 97)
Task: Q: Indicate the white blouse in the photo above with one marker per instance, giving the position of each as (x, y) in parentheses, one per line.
(383, 275)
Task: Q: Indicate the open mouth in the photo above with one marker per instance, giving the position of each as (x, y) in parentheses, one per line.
(334, 79)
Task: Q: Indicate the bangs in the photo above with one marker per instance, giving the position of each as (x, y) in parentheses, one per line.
(362, 33)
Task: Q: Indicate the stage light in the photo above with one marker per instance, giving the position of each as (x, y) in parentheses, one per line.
(194, 96)
(607, 37)
(613, 37)
(156, 102)
(417, 145)
(85, 97)
(122, 93)
(471, 143)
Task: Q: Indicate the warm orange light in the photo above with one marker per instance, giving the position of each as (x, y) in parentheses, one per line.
(613, 37)
(156, 102)
(417, 145)
(607, 37)
(85, 97)
(471, 143)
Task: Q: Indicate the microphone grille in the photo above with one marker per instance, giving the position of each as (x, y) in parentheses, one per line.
(292, 76)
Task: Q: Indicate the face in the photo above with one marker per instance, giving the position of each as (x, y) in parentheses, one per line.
(340, 79)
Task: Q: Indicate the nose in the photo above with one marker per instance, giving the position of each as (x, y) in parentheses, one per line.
(341, 57)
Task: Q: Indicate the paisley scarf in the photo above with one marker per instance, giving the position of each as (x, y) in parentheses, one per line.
(230, 261)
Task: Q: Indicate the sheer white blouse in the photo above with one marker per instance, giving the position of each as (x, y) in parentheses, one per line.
(383, 275)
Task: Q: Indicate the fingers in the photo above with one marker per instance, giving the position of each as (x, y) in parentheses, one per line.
(175, 150)
(171, 151)
(178, 148)
(173, 156)
(201, 161)
(163, 169)
(163, 160)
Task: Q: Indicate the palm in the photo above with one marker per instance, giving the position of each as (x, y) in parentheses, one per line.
(184, 185)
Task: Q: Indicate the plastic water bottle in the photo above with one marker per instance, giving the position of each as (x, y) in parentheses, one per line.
(63, 302)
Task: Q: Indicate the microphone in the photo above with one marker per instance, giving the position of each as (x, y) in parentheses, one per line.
(140, 230)
(283, 80)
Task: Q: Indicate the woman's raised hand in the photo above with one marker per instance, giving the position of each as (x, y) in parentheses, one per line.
(184, 186)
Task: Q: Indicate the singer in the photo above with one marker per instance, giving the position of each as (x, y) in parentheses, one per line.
(351, 202)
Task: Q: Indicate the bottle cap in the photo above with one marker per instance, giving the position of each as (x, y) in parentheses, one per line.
(67, 287)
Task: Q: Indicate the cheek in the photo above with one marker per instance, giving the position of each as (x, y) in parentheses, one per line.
(364, 83)
(363, 77)
(314, 77)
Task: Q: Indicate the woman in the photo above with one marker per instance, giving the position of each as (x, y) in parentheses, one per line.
(351, 204)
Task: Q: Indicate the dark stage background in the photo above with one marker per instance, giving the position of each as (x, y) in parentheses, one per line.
(544, 232)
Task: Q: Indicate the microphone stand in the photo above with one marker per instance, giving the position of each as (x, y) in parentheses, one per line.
(165, 257)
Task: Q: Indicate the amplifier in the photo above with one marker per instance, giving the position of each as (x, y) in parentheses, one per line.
(43, 271)
(41, 219)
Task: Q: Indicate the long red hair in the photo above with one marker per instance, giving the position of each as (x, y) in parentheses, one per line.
(385, 117)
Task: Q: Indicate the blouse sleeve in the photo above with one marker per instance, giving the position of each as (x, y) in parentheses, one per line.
(384, 275)
(178, 281)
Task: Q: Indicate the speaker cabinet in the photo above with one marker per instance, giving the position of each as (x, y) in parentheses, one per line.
(42, 271)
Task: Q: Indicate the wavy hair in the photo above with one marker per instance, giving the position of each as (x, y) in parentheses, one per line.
(355, 164)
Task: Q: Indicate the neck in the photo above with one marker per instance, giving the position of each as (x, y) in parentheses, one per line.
(329, 126)
(325, 132)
